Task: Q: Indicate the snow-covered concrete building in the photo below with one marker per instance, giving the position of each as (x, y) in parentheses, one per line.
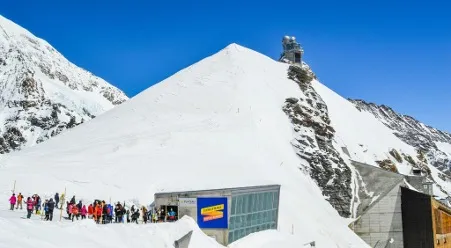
(404, 215)
(226, 214)
(292, 50)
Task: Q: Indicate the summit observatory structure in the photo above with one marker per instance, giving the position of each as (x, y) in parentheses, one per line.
(292, 51)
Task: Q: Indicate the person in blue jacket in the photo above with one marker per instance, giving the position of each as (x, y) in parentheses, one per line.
(110, 213)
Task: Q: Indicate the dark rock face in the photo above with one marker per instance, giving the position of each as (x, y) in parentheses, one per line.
(11, 139)
(313, 143)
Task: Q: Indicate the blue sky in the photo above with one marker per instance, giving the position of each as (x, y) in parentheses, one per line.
(396, 53)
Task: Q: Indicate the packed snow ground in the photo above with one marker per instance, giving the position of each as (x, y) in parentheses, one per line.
(34, 233)
(217, 123)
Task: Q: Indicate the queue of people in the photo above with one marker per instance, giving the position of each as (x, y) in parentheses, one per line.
(33, 203)
(99, 211)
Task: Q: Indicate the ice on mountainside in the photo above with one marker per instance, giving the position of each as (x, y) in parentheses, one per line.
(41, 93)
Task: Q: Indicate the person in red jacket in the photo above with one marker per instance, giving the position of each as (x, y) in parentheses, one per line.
(97, 213)
(90, 211)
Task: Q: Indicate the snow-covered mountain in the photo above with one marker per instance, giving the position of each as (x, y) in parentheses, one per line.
(41, 92)
(236, 118)
(218, 123)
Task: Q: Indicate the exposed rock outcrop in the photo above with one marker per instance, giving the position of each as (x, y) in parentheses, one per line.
(313, 142)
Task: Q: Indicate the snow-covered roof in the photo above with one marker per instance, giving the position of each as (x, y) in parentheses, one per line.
(236, 188)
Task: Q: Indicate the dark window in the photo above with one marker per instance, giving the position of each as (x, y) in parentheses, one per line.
(297, 57)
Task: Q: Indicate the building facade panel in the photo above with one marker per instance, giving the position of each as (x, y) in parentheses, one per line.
(253, 211)
(381, 224)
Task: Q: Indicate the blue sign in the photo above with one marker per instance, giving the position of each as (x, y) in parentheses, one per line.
(212, 212)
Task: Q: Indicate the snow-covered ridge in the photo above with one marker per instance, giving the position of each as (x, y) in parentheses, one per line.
(406, 127)
(41, 92)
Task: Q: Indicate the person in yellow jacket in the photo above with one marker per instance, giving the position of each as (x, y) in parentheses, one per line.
(62, 199)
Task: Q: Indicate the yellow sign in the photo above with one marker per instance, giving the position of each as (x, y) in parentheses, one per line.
(213, 212)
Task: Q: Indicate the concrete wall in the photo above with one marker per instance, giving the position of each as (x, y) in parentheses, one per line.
(382, 221)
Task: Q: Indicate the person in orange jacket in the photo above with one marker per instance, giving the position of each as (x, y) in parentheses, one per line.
(98, 213)
(90, 211)
(75, 212)
(19, 201)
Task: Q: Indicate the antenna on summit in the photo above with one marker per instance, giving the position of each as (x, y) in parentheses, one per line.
(292, 50)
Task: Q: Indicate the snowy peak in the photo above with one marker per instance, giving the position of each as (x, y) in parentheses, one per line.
(41, 92)
(10, 29)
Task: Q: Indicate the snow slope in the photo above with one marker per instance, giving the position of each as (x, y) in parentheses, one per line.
(270, 239)
(367, 139)
(41, 92)
(217, 123)
(34, 233)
